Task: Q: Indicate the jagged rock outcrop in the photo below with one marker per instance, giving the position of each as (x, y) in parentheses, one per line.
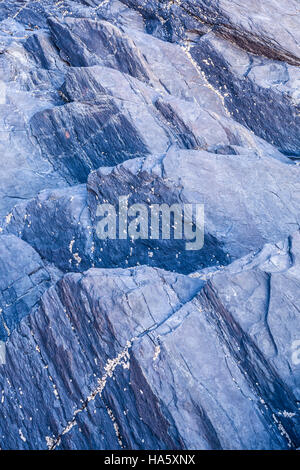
(234, 222)
(270, 29)
(24, 277)
(101, 349)
(143, 344)
(120, 117)
(249, 53)
(257, 91)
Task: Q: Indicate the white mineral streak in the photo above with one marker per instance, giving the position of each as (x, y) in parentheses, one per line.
(156, 353)
(122, 359)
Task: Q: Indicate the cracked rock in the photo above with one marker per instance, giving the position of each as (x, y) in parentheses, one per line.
(145, 344)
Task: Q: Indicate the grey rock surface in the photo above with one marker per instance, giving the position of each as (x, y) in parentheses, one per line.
(121, 344)
(235, 223)
(24, 277)
(257, 91)
(133, 366)
(270, 29)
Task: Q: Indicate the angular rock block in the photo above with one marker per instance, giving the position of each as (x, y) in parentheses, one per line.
(145, 344)
(190, 371)
(24, 277)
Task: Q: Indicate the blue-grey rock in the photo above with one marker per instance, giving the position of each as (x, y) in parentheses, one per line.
(235, 45)
(257, 92)
(122, 344)
(133, 366)
(24, 277)
(270, 29)
(57, 225)
(234, 223)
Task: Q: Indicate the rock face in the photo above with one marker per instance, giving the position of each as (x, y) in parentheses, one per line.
(24, 278)
(234, 222)
(102, 351)
(145, 344)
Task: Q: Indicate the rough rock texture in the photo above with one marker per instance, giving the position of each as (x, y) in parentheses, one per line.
(234, 222)
(270, 29)
(24, 277)
(121, 344)
(103, 354)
